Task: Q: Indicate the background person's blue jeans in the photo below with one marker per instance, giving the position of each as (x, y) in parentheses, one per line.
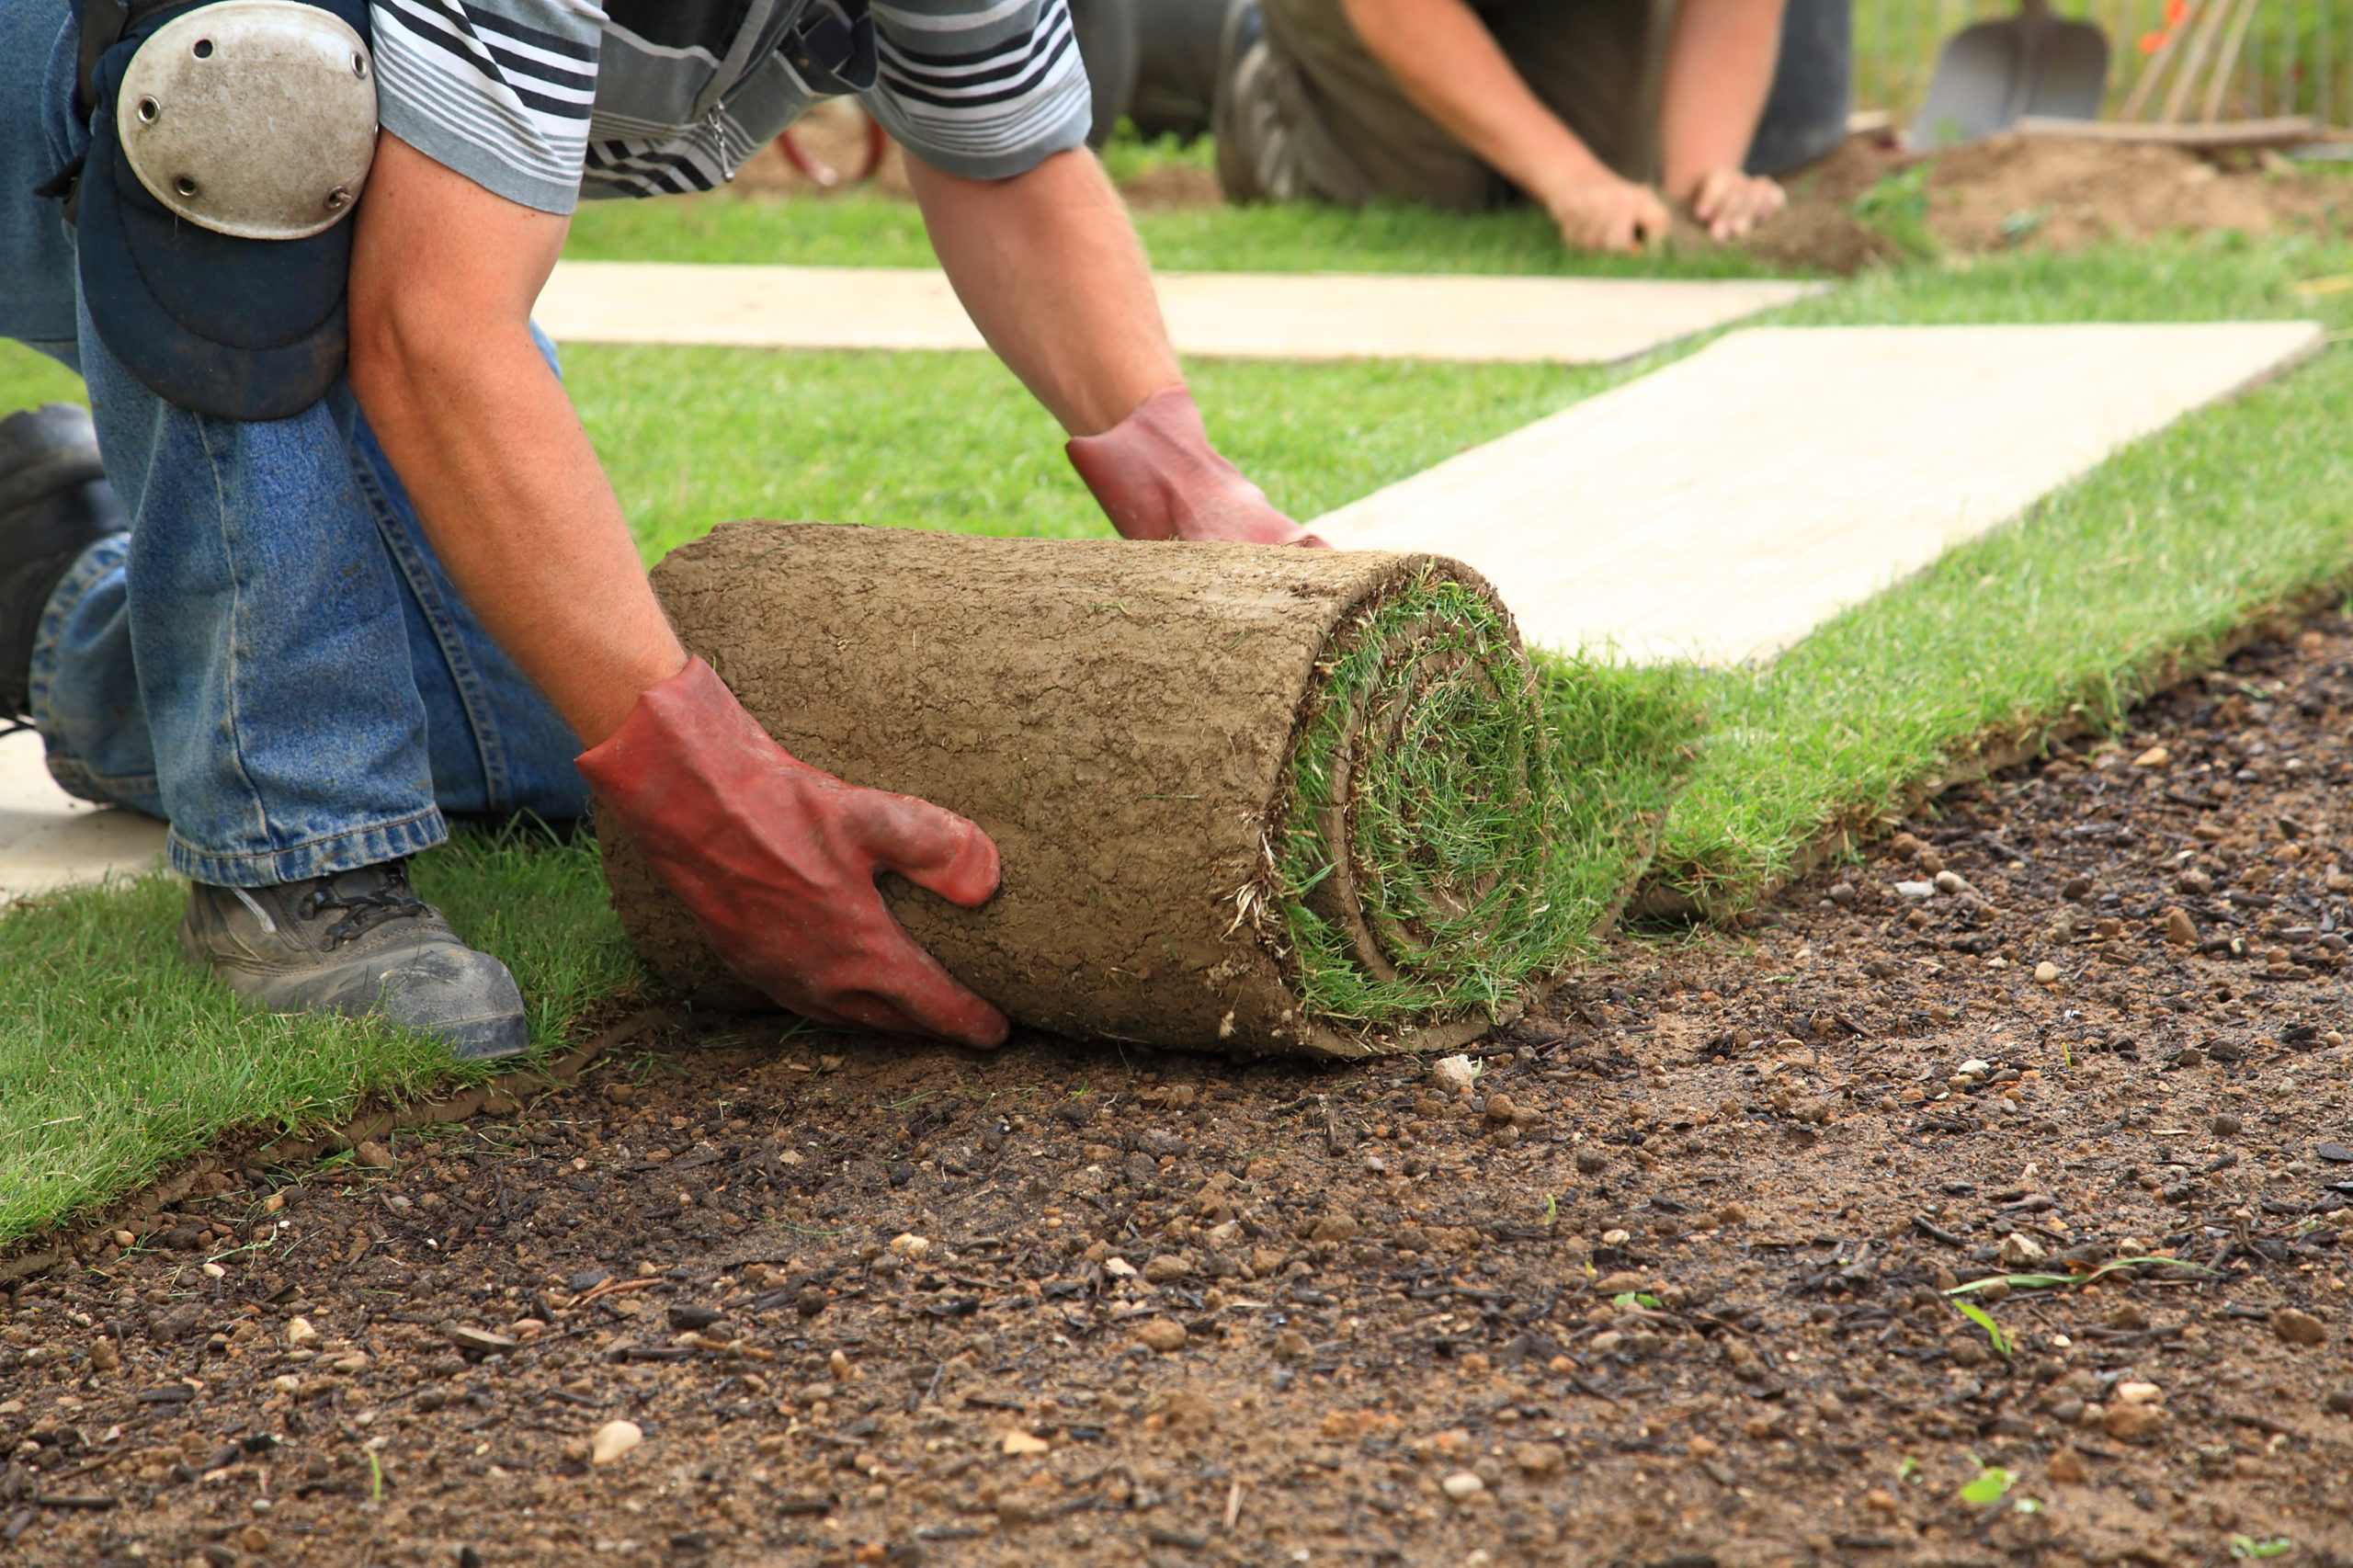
(273, 661)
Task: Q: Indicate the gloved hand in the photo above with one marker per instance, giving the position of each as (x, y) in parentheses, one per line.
(777, 861)
(1158, 477)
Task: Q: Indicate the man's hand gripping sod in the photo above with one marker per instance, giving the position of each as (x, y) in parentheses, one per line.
(778, 862)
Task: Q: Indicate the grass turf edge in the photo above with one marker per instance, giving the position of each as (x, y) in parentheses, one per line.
(2149, 571)
(500, 1093)
(120, 1059)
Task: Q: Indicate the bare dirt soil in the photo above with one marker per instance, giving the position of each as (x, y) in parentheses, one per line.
(1663, 1286)
(2012, 192)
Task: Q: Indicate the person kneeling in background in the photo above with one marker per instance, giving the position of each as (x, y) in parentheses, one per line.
(1602, 111)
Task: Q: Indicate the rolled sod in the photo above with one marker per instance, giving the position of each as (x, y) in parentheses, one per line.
(1251, 798)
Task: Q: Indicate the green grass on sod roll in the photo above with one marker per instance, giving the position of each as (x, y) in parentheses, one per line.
(2181, 538)
(1491, 820)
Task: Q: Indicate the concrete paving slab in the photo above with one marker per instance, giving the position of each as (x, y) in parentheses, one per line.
(48, 839)
(1236, 316)
(1722, 506)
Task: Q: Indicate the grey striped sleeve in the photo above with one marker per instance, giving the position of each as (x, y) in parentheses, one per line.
(986, 90)
(499, 90)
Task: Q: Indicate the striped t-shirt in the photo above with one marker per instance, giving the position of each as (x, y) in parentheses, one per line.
(546, 101)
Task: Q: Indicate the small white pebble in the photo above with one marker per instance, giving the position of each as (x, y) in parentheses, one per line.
(1454, 1074)
(614, 1440)
(1462, 1485)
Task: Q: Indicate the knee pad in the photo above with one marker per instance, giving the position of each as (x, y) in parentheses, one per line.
(230, 138)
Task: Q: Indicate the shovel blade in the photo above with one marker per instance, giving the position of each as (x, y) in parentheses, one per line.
(1990, 75)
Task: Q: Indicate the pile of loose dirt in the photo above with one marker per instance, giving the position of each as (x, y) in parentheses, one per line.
(2013, 192)
(1663, 1284)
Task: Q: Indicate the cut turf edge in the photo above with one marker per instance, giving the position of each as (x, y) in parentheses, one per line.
(1687, 894)
(500, 1094)
(2103, 592)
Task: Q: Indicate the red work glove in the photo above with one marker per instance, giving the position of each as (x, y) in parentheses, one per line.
(1158, 477)
(778, 862)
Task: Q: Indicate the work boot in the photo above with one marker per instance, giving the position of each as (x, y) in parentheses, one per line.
(359, 943)
(54, 503)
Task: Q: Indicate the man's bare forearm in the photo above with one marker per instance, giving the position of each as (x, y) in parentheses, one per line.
(1447, 62)
(1719, 69)
(503, 477)
(1049, 268)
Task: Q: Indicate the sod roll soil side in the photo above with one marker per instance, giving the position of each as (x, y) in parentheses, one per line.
(1249, 798)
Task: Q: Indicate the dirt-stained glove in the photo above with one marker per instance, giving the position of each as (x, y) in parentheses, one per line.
(1156, 476)
(778, 862)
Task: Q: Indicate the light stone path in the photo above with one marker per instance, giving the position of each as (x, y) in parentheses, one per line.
(1725, 505)
(1718, 508)
(1238, 315)
(47, 837)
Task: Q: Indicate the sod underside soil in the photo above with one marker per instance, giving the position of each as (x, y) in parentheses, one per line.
(1669, 1283)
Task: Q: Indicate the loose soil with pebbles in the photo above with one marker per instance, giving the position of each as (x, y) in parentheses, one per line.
(1665, 1284)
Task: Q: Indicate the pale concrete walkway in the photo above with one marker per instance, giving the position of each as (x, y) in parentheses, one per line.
(47, 837)
(1722, 508)
(1234, 315)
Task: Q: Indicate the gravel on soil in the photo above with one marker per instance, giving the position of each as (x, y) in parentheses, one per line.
(1658, 1276)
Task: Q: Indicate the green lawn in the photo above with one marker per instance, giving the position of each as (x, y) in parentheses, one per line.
(124, 1061)
(862, 229)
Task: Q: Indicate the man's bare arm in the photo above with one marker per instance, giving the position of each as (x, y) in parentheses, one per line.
(443, 277)
(1719, 69)
(1451, 67)
(1049, 268)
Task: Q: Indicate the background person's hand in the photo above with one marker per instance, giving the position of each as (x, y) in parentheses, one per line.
(1607, 214)
(1729, 204)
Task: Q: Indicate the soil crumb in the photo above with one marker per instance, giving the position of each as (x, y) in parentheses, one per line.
(1666, 1280)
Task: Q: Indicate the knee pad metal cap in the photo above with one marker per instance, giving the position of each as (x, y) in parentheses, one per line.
(252, 117)
(201, 312)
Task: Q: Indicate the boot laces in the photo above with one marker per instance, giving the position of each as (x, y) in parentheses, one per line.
(389, 900)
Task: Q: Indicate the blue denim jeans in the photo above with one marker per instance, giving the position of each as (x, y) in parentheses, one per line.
(273, 660)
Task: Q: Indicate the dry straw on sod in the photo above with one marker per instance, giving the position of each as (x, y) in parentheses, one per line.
(1255, 799)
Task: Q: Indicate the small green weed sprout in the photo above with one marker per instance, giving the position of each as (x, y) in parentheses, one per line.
(1992, 1481)
(1995, 1334)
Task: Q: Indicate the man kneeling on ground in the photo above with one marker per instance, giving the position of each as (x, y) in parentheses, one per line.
(304, 614)
(1455, 102)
